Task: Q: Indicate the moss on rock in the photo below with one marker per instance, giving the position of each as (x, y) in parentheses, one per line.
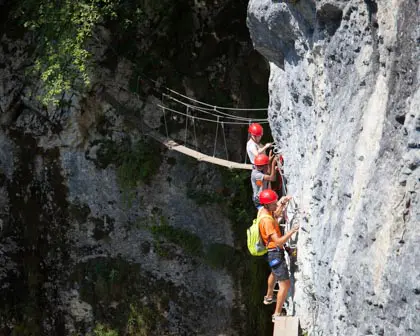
(127, 298)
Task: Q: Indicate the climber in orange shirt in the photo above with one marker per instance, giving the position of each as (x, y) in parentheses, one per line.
(273, 239)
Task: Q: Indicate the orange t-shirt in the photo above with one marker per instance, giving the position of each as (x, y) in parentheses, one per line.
(269, 226)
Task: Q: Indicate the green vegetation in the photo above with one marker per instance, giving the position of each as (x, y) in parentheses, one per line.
(135, 163)
(140, 163)
(101, 330)
(108, 281)
(61, 30)
(238, 198)
(250, 272)
(139, 319)
(201, 196)
(223, 256)
(183, 238)
(26, 328)
(64, 32)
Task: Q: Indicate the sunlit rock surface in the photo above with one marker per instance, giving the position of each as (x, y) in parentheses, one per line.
(344, 107)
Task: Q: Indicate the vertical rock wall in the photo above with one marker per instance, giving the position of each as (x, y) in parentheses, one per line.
(344, 106)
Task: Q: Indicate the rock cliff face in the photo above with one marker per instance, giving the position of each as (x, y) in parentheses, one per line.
(344, 106)
(102, 229)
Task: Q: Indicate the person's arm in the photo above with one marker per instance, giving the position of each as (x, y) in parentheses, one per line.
(264, 148)
(281, 205)
(280, 241)
(272, 172)
(256, 150)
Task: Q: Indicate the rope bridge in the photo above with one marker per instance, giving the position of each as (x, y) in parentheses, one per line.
(197, 111)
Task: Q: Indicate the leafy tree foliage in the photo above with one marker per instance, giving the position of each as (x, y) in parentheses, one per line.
(62, 29)
(63, 33)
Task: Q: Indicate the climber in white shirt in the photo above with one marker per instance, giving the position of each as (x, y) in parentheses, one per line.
(254, 146)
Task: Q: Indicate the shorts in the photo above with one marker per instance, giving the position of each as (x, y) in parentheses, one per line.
(257, 203)
(280, 271)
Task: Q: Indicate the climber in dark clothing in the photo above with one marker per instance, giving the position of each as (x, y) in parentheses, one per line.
(263, 173)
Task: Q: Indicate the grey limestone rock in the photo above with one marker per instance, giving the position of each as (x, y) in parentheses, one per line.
(344, 107)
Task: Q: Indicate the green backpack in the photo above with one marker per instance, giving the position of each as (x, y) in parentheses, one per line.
(255, 244)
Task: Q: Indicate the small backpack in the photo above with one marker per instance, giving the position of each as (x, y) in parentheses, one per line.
(255, 244)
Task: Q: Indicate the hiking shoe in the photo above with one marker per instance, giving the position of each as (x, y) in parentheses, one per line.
(268, 300)
(276, 317)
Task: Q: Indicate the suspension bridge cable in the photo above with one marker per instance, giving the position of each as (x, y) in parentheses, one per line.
(226, 115)
(220, 107)
(214, 109)
(156, 83)
(204, 119)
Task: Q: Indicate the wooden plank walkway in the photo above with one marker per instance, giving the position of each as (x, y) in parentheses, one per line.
(287, 326)
(173, 145)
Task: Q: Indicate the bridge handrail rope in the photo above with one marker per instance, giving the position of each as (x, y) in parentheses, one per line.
(201, 118)
(225, 115)
(156, 83)
(214, 106)
(208, 111)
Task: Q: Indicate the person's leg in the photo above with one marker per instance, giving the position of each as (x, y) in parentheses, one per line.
(284, 286)
(270, 286)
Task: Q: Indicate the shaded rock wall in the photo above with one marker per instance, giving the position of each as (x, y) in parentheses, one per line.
(99, 225)
(344, 106)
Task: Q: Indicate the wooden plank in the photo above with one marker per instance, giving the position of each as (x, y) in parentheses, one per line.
(173, 145)
(287, 326)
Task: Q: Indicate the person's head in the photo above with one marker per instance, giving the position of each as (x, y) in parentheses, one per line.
(256, 132)
(261, 162)
(268, 199)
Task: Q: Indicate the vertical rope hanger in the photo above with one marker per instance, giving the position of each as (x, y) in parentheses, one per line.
(246, 153)
(186, 125)
(224, 140)
(215, 138)
(166, 125)
(195, 134)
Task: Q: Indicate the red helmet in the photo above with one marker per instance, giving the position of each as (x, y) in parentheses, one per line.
(268, 196)
(261, 160)
(255, 129)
